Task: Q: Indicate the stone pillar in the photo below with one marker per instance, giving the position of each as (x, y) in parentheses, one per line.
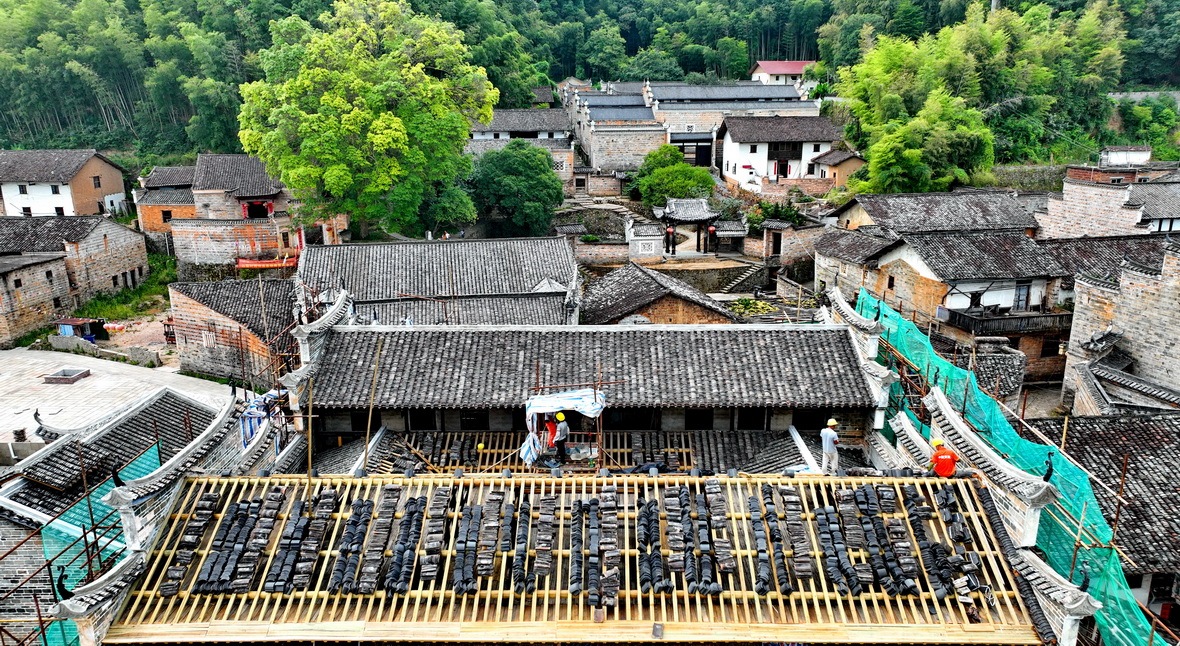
(87, 634)
(131, 529)
(1068, 635)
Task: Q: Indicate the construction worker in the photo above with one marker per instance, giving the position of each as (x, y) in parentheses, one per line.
(563, 433)
(943, 460)
(831, 439)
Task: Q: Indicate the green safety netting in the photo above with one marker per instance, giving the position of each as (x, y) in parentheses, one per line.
(1120, 621)
(62, 548)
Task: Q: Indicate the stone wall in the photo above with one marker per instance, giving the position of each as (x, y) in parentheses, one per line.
(671, 309)
(1089, 209)
(1029, 177)
(604, 186)
(600, 253)
(43, 296)
(20, 609)
(110, 259)
(219, 205)
(132, 355)
(712, 280)
(222, 242)
(211, 343)
(622, 148)
(809, 185)
(1148, 315)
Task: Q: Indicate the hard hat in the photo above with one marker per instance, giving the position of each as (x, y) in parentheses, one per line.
(561, 417)
(832, 422)
(936, 443)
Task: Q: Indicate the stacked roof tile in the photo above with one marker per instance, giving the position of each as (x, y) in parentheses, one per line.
(932, 212)
(1103, 256)
(657, 365)
(542, 308)
(631, 287)
(165, 197)
(548, 120)
(44, 234)
(984, 256)
(170, 177)
(851, 246)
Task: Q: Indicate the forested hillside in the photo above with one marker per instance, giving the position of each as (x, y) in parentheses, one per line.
(163, 76)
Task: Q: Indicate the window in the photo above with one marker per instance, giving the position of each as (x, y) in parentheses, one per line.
(811, 169)
(114, 281)
(976, 299)
(422, 420)
(1116, 180)
(55, 189)
(97, 180)
(753, 148)
(559, 164)
(26, 211)
(814, 148)
(474, 420)
(23, 189)
(18, 283)
(139, 270)
(209, 338)
(1050, 347)
(1141, 180)
(698, 419)
(59, 210)
(57, 302)
(49, 276)
(495, 135)
(1020, 300)
(889, 285)
(286, 239)
(166, 215)
(125, 281)
(751, 419)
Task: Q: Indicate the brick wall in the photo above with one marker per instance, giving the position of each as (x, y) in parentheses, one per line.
(809, 185)
(32, 305)
(82, 189)
(671, 309)
(219, 205)
(111, 258)
(601, 252)
(604, 186)
(222, 242)
(622, 149)
(151, 217)
(1088, 209)
(15, 567)
(799, 244)
(213, 344)
(705, 118)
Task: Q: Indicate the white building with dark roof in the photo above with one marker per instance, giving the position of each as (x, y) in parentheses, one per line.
(758, 149)
(59, 182)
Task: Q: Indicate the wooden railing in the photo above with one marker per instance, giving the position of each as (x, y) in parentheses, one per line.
(1010, 324)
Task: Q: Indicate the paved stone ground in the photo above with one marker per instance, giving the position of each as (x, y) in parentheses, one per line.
(110, 386)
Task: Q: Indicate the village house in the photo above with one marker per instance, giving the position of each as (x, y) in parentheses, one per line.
(838, 165)
(769, 154)
(1123, 352)
(691, 111)
(36, 183)
(545, 128)
(519, 281)
(35, 292)
(1112, 200)
(165, 194)
(788, 247)
(235, 329)
(101, 256)
(635, 294)
(778, 72)
(242, 222)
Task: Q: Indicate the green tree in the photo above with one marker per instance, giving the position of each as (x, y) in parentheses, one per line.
(369, 115)
(516, 188)
(605, 53)
(666, 155)
(678, 180)
(653, 65)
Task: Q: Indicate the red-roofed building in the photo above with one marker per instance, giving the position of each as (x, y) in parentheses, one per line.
(778, 72)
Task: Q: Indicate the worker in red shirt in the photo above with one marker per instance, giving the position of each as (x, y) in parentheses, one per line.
(943, 460)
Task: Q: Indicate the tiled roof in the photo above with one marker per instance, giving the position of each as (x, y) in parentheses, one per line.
(647, 230)
(170, 176)
(534, 120)
(659, 365)
(481, 146)
(780, 129)
(10, 263)
(1001, 374)
(783, 67)
(45, 234)
(851, 246)
(45, 165)
(621, 113)
(165, 197)
(245, 301)
(385, 272)
(1160, 200)
(1149, 528)
(54, 476)
(736, 92)
(1103, 256)
(999, 256)
(957, 211)
(631, 287)
(836, 156)
(543, 94)
(542, 308)
(239, 175)
(731, 228)
(686, 210)
(617, 100)
(1126, 149)
(570, 229)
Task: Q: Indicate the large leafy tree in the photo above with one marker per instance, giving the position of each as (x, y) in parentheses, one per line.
(677, 180)
(516, 189)
(369, 115)
(605, 52)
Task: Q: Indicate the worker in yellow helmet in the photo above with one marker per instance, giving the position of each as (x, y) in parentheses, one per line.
(830, 439)
(943, 461)
(559, 439)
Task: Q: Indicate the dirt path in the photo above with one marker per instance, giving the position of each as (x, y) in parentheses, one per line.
(144, 332)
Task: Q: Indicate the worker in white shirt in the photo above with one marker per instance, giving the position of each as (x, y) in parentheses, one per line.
(831, 439)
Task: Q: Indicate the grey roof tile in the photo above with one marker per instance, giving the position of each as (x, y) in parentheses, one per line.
(542, 308)
(240, 175)
(1160, 200)
(165, 197)
(1103, 256)
(45, 234)
(997, 256)
(1149, 528)
(780, 129)
(245, 301)
(736, 92)
(170, 177)
(535, 120)
(10, 263)
(45, 165)
(622, 113)
(836, 156)
(668, 366)
(386, 272)
(687, 210)
(969, 210)
(852, 246)
(631, 287)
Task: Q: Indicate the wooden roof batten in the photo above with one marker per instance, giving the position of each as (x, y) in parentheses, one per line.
(486, 608)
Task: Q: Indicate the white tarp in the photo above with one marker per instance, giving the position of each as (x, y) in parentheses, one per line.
(586, 401)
